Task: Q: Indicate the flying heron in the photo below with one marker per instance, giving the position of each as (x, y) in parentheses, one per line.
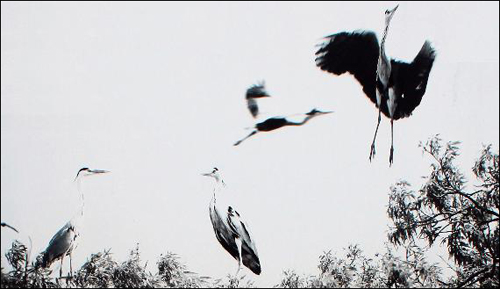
(273, 123)
(231, 231)
(394, 86)
(64, 241)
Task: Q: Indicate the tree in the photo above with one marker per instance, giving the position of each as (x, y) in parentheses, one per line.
(358, 271)
(175, 274)
(97, 271)
(443, 209)
(102, 271)
(24, 273)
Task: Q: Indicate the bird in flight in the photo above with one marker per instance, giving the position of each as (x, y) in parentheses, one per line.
(274, 123)
(396, 87)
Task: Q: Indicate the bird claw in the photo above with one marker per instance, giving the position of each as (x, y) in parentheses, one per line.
(372, 152)
(391, 156)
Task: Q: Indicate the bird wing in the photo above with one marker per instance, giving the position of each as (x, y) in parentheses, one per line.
(253, 92)
(248, 249)
(354, 52)
(271, 124)
(223, 233)
(61, 243)
(253, 107)
(411, 80)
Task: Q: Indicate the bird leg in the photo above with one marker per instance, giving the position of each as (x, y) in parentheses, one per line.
(70, 266)
(60, 270)
(392, 143)
(372, 150)
(241, 140)
(238, 244)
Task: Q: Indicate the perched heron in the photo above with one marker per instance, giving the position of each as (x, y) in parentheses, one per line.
(231, 231)
(395, 87)
(255, 91)
(64, 241)
(9, 226)
(278, 122)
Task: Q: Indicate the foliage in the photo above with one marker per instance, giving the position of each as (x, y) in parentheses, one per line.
(175, 274)
(97, 271)
(102, 271)
(233, 282)
(466, 221)
(356, 270)
(131, 274)
(445, 209)
(24, 273)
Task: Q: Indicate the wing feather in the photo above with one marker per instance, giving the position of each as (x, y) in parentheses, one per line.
(60, 244)
(412, 78)
(354, 52)
(249, 251)
(253, 92)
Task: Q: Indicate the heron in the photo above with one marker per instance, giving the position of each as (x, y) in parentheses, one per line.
(65, 240)
(230, 229)
(273, 123)
(253, 92)
(396, 87)
(9, 226)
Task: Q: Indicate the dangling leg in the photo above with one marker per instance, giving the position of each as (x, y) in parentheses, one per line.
(392, 143)
(238, 244)
(372, 150)
(241, 140)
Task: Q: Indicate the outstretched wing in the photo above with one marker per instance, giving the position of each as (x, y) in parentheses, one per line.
(411, 80)
(248, 249)
(62, 243)
(354, 52)
(255, 91)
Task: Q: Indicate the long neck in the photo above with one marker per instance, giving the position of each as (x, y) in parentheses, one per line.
(384, 36)
(306, 119)
(383, 65)
(219, 185)
(82, 197)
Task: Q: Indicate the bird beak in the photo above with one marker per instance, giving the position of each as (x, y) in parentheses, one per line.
(207, 175)
(99, 171)
(316, 112)
(395, 8)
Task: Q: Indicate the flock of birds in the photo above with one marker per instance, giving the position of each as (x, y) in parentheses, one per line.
(394, 86)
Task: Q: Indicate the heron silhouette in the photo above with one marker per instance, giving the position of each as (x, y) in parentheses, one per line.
(274, 123)
(230, 229)
(65, 240)
(394, 86)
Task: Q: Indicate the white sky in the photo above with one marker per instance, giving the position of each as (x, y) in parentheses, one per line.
(154, 92)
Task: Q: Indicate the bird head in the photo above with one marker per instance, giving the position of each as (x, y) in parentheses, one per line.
(85, 172)
(389, 13)
(215, 174)
(315, 112)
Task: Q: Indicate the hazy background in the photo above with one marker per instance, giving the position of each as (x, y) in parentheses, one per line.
(154, 92)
